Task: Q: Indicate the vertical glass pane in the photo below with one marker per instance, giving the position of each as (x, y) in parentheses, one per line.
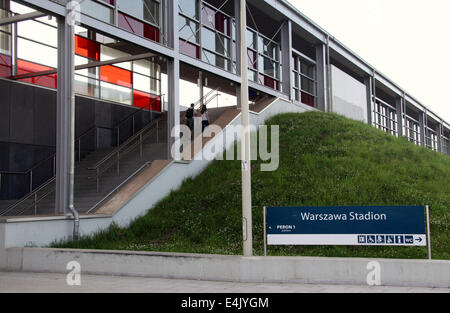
(116, 93)
(37, 53)
(188, 29)
(97, 11)
(215, 42)
(188, 8)
(147, 10)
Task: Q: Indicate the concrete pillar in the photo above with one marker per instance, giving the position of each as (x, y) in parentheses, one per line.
(65, 119)
(321, 78)
(286, 58)
(368, 81)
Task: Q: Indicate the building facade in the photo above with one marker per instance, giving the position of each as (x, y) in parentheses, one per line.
(140, 63)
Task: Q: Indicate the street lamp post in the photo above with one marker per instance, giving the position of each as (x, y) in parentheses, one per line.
(245, 139)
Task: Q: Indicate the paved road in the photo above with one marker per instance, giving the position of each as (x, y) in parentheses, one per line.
(55, 283)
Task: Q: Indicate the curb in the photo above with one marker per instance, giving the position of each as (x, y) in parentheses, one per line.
(309, 270)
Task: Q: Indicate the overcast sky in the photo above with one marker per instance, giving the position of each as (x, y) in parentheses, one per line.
(407, 40)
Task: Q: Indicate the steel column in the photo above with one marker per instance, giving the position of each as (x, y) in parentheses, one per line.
(321, 77)
(369, 95)
(65, 120)
(399, 108)
(286, 58)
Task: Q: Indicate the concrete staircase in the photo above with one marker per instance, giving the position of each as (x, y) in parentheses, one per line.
(85, 189)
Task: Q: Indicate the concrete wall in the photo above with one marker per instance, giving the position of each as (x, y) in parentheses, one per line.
(349, 96)
(412, 273)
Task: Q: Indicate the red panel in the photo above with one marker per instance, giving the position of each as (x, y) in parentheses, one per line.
(308, 99)
(116, 75)
(5, 66)
(269, 82)
(25, 67)
(189, 49)
(87, 48)
(143, 100)
(138, 27)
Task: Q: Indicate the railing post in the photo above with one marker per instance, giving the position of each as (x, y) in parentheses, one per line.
(118, 136)
(31, 181)
(118, 163)
(54, 166)
(140, 143)
(98, 138)
(134, 126)
(98, 179)
(157, 131)
(35, 204)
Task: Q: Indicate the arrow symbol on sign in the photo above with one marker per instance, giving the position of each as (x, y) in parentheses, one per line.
(419, 239)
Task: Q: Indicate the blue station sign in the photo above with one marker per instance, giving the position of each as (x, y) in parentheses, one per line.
(368, 226)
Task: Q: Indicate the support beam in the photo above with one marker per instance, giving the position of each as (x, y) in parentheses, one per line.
(422, 125)
(399, 108)
(173, 72)
(369, 91)
(321, 77)
(65, 119)
(238, 36)
(286, 58)
(439, 132)
(21, 18)
(329, 77)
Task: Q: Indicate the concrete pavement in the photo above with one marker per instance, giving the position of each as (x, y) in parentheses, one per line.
(56, 283)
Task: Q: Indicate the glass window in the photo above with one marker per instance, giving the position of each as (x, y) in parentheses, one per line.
(307, 69)
(116, 93)
(268, 67)
(86, 86)
(37, 53)
(251, 39)
(98, 11)
(147, 10)
(107, 53)
(188, 8)
(188, 29)
(215, 42)
(216, 60)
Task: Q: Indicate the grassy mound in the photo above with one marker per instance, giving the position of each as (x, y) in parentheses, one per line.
(325, 160)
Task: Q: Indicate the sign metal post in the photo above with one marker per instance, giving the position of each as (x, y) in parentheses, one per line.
(428, 232)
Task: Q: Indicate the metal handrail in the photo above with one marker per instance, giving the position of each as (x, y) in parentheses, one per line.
(119, 187)
(113, 158)
(199, 101)
(133, 115)
(28, 196)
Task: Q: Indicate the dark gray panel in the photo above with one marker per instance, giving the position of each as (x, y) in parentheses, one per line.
(22, 114)
(84, 115)
(5, 110)
(4, 156)
(103, 114)
(44, 117)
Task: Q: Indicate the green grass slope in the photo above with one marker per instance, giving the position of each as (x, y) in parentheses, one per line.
(325, 160)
